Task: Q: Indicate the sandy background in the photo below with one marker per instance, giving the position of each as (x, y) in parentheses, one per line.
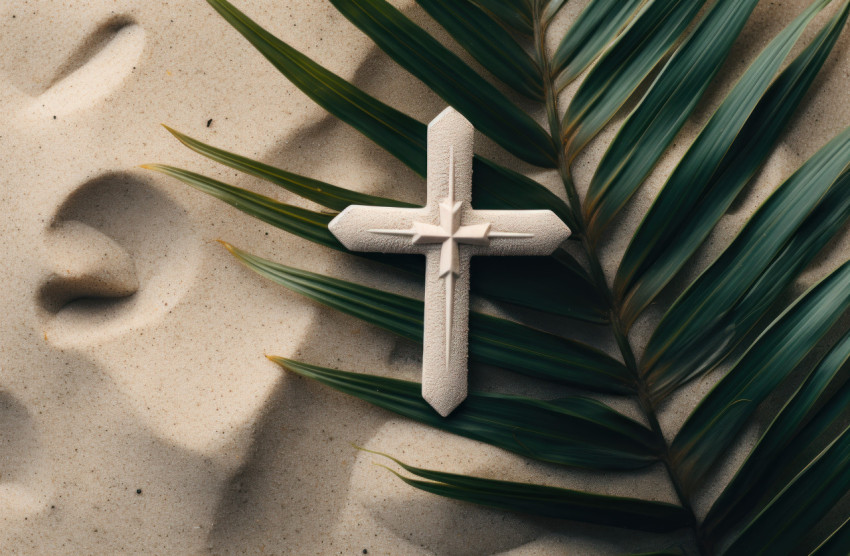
(148, 420)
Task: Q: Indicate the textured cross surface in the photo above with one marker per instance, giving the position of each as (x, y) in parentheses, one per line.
(448, 232)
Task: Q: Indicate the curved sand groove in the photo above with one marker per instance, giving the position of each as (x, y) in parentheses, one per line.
(94, 70)
(124, 253)
(130, 393)
(128, 256)
(101, 41)
(21, 459)
(89, 265)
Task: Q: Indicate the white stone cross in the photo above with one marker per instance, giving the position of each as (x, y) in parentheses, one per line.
(448, 232)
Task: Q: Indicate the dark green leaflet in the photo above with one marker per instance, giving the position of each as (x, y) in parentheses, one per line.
(482, 104)
(721, 161)
(651, 127)
(571, 431)
(594, 29)
(492, 46)
(711, 316)
(801, 505)
(493, 341)
(715, 423)
(622, 68)
(630, 513)
(513, 14)
(745, 490)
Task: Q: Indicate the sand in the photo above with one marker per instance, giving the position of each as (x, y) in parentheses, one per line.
(148, 420)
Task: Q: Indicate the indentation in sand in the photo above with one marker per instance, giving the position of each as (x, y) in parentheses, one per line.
(89, 265)
(96, 67)
(19, 457)
(122, 253)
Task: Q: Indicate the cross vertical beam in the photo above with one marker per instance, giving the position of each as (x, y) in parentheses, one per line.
(444, 382)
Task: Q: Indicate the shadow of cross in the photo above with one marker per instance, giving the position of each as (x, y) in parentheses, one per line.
(448, 231)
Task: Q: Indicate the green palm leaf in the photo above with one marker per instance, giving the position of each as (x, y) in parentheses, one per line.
(721, 306)
(722, 160)
(548, 10)
(623, 67)
(322, 193)
(797, 471)
(401, 135)
(571, 431)
(662, 112)
(837, 543)
(398, 133)
(551, 501)
(493, 341)
(752, 481)
(308, 224)
(801, 505)
(490, 44)
(712, 427)
(512, 14)
(482, 104)
(597, 25)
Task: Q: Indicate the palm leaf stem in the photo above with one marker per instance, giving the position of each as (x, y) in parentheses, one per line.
(550, 92)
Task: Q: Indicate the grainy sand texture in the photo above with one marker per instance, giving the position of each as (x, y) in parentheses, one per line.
(138, 413)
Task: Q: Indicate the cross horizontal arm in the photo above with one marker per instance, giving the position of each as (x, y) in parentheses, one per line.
(379, 229)
(519, 232)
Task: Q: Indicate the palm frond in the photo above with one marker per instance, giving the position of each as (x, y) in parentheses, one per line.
(498, 342)
(597, 26)
(549, 501)
(836, 544)
(398, 133)
(490, 44)
(753, 481)
(515, 15)
(489, 110)
(322, 193)
(778, 529)
(619, 72)
(726, 301)
(798, 470)
(662, 112)
(722, 160)
(714, 424)
(574, 431)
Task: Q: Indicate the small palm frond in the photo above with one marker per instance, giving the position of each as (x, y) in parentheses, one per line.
(672, 50)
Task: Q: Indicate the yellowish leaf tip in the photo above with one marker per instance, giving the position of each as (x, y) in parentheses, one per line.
(393, 471)
(382, 454)
(177, 135)
(227, 246)
(277, 360)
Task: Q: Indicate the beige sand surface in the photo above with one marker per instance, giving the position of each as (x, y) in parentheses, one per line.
(148, 420)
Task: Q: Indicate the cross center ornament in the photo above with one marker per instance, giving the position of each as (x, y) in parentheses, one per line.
(448, 232)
